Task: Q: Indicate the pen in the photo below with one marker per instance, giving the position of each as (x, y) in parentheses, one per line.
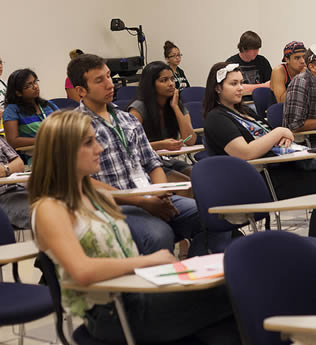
(176, 185)
(187, 138)
(174, 273)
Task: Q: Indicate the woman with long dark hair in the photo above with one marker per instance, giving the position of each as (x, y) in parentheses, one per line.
(83, 231)
(165, 120)
(24, 108)
(233, 129)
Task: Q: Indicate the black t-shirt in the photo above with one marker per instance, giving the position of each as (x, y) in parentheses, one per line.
(181, 80)
(221, 128)
(256, 71)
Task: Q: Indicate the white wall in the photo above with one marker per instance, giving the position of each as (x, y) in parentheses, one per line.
(40, 33)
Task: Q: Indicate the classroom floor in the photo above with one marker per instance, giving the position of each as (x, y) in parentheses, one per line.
(296, 222)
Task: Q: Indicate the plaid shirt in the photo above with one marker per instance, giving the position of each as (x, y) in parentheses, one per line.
(117, 165)
(7, 154)
(300, 103)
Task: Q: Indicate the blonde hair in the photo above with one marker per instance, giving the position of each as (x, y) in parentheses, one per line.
(54, 169)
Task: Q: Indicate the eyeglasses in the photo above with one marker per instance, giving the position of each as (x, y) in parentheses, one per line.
(31, 84)
(175, 56)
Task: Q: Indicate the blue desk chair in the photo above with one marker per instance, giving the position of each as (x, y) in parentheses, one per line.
(263, 97)
(122, 103)
(225, 180)
(196, 113)
(268, 274)
(20, 303)
(192, 94)
(275, 115)
(126, 93)
(65, 103)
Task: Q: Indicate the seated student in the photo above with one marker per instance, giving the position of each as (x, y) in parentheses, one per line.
(71, 219)
(3, 90)
(24, 109)
(232, 129)
(70, 90)
(128, 161)
(293, 64)
(299, 113)
(256, 69)
(13, 197)
(173, 58)
(164, 118)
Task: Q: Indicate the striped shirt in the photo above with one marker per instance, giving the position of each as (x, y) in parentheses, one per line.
(28, 124)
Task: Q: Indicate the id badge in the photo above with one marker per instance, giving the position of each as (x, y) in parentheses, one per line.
(139, 178)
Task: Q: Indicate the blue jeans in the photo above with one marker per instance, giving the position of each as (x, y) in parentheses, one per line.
(158, 318)
(152, 233)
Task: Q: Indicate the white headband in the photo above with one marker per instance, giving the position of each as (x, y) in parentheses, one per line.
(221, 73)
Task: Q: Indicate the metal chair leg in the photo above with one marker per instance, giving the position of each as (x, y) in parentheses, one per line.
(274, 196)
(124, 322)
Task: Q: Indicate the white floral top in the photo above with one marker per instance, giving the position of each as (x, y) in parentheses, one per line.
(97, 239)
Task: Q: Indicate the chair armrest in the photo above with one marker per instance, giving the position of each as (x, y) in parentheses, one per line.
(291, 324)
(17, 252)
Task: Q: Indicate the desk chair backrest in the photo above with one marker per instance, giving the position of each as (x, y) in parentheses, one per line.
(6, 231)
(49, 271)
(192, 94)
(225, 180)
(122, 103)
(263, 97)
(196, 113)
(275, 115)
(270, 273)
(65, 103)
(126, 93)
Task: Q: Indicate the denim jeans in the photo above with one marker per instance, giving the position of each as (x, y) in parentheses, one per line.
(158, 318)
(152, 233)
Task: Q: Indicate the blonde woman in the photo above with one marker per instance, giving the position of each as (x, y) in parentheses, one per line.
(84, 233)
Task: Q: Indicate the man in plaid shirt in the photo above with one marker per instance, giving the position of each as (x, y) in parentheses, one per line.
(128, 161)
(13, 197)
(299, 112)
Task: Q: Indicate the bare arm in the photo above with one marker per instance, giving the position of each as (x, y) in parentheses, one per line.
(54, 229)
(278, 84)
(73, 94)
(166, 144)
(184, 120)
(248, 88)
(309, 125)
(239, 148)
(16, 165)
(12, 135)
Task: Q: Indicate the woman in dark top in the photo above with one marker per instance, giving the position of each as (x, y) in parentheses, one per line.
(164, 118)
(173, 59)
(233, 129)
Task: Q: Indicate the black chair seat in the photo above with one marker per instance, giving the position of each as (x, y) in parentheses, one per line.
(22, 303)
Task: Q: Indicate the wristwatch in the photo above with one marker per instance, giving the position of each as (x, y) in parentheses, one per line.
(6, 169)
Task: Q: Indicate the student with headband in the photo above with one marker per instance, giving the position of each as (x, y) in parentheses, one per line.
(235, 130)
(300, 103)
(24, 108)
(173, 59)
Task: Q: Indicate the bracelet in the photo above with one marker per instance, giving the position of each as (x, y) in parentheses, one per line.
(6, 169)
